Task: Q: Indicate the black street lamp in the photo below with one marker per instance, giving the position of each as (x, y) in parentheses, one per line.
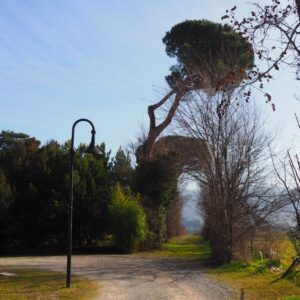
(90, 149)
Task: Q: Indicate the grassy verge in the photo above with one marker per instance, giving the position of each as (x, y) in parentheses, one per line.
(249, 281)
(38, 284)
(254, 282)
(253, 279)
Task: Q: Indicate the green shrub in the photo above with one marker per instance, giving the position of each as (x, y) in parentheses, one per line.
(128, 220)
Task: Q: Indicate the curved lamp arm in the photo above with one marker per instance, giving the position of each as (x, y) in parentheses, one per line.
(72, 151)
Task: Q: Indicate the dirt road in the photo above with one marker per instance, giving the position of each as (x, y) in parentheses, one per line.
(131, 277)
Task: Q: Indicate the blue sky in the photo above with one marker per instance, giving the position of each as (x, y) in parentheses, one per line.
(103, 60)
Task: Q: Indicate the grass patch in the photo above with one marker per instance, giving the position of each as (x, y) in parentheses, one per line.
(191, 247)
(37, 284)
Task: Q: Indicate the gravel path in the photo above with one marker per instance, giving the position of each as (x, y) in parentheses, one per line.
(131, 277)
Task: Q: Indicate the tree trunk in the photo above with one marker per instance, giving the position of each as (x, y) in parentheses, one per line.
(156, 130)
(293, 265)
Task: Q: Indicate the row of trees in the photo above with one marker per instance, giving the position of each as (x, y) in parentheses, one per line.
(214, 74)
(211, 59)
(209, 79)
(111, 197)
(34, 193)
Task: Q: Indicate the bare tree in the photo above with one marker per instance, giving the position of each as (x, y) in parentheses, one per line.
(236, 199)
(274, 32)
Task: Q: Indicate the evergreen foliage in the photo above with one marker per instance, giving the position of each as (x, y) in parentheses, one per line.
(122, 170)
(201, 46)
(156, 180)
(34, 194)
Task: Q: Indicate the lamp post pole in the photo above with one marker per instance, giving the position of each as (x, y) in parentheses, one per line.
(91, 149)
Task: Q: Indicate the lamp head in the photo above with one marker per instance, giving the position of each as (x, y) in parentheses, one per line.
(92, 149)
